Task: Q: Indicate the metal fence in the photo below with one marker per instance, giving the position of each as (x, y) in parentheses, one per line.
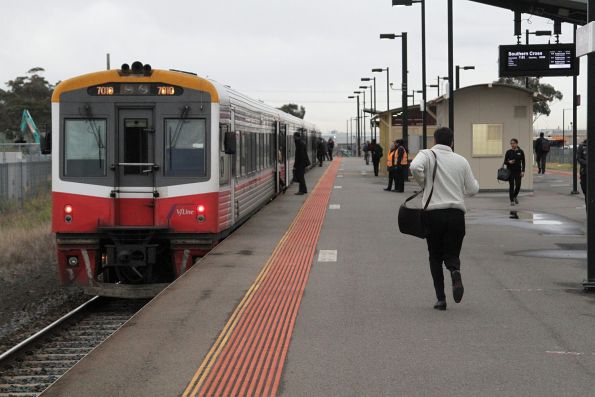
(24, 173)
(560, 155)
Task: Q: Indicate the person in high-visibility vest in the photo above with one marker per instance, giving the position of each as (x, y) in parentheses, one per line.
(401, 166)
(391, 163)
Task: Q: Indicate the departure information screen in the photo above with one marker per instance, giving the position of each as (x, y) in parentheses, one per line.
(135, 89)
(538, 60)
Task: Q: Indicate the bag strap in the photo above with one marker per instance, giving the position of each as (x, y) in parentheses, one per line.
(433, 179)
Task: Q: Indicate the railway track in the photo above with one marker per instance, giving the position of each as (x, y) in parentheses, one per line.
(27, 369)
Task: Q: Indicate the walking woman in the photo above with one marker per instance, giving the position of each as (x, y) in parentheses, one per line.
(514, 159)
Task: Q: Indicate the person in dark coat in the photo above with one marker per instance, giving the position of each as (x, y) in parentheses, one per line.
(542, 148)
(301, 162)
(515, 161)
(581, 158)
(391, 166)
(402, 166)
(320, 154)
(331, 146)
(377, 154)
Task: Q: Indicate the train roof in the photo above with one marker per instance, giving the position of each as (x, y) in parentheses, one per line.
(220, 93)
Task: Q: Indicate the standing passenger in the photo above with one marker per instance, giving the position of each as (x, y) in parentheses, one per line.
(402, 169)
(320, 151)
(331, 147)
(542, 148)
(367, 152)
(445, 214)
(581, 157)
(515, 161)
(300, 164)
(391, 166)
(377, 154)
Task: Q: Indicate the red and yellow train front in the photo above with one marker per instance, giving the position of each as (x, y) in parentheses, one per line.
(135, 176)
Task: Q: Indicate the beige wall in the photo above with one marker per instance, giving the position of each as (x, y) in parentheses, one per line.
(495, 105)
(390, 134)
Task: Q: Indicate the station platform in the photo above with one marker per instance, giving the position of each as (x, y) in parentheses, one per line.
(320, 295)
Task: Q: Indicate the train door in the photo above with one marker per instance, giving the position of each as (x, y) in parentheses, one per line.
(233, 170)
(136, 168)
(281, 145)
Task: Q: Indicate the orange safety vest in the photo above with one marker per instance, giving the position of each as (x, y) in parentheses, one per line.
(405, 159)
(391, 155)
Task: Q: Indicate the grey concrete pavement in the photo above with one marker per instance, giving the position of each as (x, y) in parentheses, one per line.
(366, 325)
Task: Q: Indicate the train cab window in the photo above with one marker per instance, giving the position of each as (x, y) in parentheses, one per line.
(84, 147)
(185, 147)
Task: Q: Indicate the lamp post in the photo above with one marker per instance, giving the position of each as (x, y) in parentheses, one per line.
(423, 60)
(451, 97)
(441, 78)
(363, 88)
(359, 153)
(380, 70)
(403, 36)
(574, 138)
(457, 74)
(373, 98)
(589, 284)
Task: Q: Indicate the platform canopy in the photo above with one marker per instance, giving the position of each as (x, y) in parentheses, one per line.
(572, 11)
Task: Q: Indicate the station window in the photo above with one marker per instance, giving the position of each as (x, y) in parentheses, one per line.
(185, 147)
(487, 140)
(84, 147)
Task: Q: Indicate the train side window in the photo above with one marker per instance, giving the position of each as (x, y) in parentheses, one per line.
(85, 147)
(243, 153)
(185, 147)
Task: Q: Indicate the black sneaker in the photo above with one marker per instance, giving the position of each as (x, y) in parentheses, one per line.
(440, 305)
(457, 286)
(516, 200)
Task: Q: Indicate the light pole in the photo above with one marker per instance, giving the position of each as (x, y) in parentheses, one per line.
(423, 61)
(589, 284)
(403, 36)
(458, 68)
(441, 78)
(363, 88)
(380, 70)
(451, 97)
(373, 98)
(359, 153)
(574, 116)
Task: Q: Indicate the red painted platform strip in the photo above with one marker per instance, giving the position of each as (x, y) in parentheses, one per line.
(248, 357)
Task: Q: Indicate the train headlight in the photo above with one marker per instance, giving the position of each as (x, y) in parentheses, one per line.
(68, 209)
(73, 261)
(200, 210)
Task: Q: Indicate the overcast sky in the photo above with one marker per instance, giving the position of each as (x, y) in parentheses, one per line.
(310, 52)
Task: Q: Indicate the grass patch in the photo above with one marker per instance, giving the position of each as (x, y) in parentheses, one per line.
(559, 166)
(26, 238)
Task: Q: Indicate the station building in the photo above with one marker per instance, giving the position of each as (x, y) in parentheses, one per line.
(487, 117)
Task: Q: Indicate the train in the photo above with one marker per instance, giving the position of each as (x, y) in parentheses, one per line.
(152, 168)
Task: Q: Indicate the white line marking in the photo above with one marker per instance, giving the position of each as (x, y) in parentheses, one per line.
(327, 256)
(339, 176)
(338, 187)
(334, 207)
(561, 185)
(562, 353)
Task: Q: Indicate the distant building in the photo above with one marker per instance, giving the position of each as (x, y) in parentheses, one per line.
(487, 116)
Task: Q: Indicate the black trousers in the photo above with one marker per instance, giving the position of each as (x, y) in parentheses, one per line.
(446, 231)
(584, 186)
(391, 177)
(330, 154)
(541, 159)
(376, 162)
(299, 176)
(400, 178)
(514, 184)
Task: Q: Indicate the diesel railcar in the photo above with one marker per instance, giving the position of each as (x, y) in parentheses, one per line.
(152, 168)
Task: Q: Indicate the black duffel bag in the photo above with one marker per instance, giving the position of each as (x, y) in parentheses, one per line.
(411, 219)
(503, 174)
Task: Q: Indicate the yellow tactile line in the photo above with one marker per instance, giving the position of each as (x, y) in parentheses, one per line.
(205, 367)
